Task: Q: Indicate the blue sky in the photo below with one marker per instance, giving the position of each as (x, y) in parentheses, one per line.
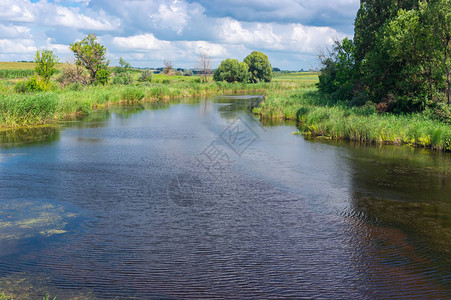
(147, 32)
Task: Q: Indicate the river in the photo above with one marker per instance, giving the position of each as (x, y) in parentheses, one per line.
(199, 199)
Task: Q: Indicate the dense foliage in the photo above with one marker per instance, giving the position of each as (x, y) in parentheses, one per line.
(259, 67)
(255, 68)
(400, 58)
(45, 64)
(92, 55)
(231, 70)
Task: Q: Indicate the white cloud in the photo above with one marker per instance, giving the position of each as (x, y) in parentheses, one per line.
(14, 31)
(70, 17)
(148, 31)
(141, 42)
(17, 10)
(17, 46)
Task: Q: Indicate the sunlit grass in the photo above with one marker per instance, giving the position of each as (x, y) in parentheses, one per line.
(317, 117)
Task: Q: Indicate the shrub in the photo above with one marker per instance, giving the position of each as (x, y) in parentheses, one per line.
(123, 78)
(188, 72)
(73, 73)
(34, 84)
(146, 76)
(102, 76)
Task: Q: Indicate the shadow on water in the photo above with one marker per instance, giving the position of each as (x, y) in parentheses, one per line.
(403, 196)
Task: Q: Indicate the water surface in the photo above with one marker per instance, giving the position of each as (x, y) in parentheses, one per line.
(200, 199)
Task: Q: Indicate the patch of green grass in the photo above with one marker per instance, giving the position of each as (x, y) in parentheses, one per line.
(319, 118)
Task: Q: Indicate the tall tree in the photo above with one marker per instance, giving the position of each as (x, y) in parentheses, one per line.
(440, 16)
(259, 67)
(90, 54)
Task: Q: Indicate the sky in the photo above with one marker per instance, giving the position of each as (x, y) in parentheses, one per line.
(147, 32)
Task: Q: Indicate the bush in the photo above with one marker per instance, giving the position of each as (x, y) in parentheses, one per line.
(188, 72)
(34, 84)
(146, 76)
(73, 73)
(123, 78)
(102, 76)
(76, 86)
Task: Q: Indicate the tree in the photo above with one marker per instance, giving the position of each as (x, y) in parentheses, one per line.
(168, 67)
(124, 64)
(45, 64)
(439, 12)
(259, 67)
(90, 54)
(337, 74)
(204, 65)
(231, 70)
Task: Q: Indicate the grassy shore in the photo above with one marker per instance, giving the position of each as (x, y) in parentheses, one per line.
(37, 108)
(318, 117)
(288, 96)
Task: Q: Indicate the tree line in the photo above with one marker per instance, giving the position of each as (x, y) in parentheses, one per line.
(92, 67)
(400, 58)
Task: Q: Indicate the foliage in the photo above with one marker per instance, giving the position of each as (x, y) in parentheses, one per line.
(73, 73)
(363, 124)
(400, 58)
(231, 70)
(188, 72)
(122, 78)
(45, 64)
(34, 84)
(124, 64)
(103, 76)
(146, 76)
(337, 74)
(92, 55)
(259, 67)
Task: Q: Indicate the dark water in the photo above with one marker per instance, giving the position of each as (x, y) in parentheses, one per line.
(199, 199)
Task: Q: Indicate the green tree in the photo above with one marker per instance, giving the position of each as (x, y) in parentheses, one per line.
(124, 64)
(439, 13)
(91, 54)
(231, 70)
(337, 74)
(45, 64)
(259, 67)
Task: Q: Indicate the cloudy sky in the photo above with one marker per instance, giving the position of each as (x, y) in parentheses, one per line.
(146, 32)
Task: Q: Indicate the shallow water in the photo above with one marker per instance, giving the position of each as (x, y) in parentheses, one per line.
(199, 199)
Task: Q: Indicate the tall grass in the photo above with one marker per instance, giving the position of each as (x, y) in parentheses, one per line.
(318, 117)
(29, 109)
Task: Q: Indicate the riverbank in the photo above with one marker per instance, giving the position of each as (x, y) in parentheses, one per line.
(362, 124)
(33, 109)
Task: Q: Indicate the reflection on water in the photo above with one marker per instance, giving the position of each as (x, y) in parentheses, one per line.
(91, 212)
(26, 136)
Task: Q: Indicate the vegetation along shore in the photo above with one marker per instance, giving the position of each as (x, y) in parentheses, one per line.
(383, 87)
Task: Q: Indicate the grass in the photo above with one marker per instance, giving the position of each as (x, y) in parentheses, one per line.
(289, 96)
(317, 117)
(32, 109)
